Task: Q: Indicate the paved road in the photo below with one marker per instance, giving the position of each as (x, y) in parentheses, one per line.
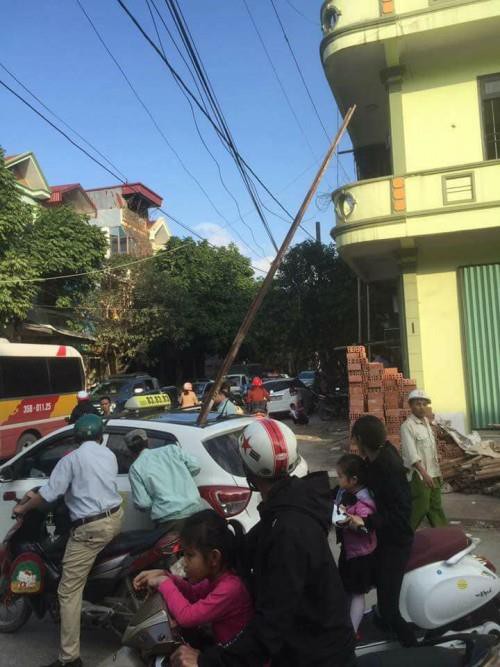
(36, 644)
(321, 444)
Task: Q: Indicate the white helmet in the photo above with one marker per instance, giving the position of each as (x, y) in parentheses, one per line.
(269, 448)
(418, 394)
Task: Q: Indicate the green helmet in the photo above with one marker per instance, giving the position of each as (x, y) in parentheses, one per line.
(88, 427)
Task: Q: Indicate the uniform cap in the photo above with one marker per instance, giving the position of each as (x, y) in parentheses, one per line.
(419, 394)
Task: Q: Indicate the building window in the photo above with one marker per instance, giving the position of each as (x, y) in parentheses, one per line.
(490, 97)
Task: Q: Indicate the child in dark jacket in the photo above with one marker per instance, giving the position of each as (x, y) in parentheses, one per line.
(358, 545)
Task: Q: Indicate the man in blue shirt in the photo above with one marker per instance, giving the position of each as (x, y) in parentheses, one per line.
(162, 480)
(87, 478)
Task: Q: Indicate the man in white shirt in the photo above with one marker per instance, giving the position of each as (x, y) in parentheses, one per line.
(87, 479)
(420, 457)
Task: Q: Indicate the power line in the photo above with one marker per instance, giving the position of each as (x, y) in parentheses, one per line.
(299, 70)
(301, 14)
(187, 90)
(278, 79)
(64, 134)
(157, 126)
(205, 145)
(108, 269)
(94, 159)
(193, 97)
(72, 129)
(195, 58)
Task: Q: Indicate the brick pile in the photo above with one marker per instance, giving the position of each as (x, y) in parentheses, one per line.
(375, 390)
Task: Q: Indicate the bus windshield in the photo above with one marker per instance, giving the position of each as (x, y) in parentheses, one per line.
(38, 386)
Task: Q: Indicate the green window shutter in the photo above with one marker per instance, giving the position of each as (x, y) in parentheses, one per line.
(480, 287)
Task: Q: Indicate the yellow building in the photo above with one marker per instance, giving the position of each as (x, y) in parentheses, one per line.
(425, 212)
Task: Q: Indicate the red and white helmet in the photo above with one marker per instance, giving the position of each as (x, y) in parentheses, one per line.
(269, 448)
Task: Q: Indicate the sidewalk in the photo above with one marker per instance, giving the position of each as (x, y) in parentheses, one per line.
(323, 443)
(472, 509)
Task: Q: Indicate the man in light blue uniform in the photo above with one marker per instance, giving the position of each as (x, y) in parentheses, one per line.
(162, 480)
(87, 478)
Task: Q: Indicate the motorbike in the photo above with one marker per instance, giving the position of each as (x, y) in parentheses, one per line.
(31, 566)
(333, 406)
(152, 637)
(450, 594)
(446, 589)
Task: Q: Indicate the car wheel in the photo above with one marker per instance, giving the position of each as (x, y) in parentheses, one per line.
(26, 440)
(14, 613)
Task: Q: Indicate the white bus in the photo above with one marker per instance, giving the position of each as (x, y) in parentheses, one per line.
(38, 387)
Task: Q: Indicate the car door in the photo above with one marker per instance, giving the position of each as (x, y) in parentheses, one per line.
(32, 469)
(133, 518)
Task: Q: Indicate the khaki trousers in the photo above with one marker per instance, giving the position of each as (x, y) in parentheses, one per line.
(82, 549)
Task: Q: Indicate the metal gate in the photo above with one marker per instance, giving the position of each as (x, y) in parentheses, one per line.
(481, 319)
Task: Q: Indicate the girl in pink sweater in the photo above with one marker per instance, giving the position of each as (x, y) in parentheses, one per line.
(356, 554)
(213, 593)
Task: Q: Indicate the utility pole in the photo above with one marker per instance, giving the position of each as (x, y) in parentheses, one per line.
(318, 232)
(266, 283)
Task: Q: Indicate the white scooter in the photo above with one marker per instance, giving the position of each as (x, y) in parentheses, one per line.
(446, 589)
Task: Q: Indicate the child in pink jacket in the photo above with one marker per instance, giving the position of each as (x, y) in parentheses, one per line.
(213, 593)
(356, 555)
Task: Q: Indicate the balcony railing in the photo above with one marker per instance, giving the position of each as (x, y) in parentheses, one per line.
(421, 194)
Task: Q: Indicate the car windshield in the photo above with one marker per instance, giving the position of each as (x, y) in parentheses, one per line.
(234, 380)
(198, 387)
(108, 388)
(307, 375)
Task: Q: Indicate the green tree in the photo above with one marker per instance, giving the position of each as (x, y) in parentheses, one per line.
(63, 242)
(191, 298)
(310, 310)
(17, 271)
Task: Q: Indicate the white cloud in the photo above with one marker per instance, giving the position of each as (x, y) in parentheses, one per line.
(219, 236)
(215, 234)
(263, 263)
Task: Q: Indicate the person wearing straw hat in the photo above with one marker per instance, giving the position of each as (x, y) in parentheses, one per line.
(420, 457)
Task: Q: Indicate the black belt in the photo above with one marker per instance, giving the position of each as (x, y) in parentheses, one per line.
(95, 517)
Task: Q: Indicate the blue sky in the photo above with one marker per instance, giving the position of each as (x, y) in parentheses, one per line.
(52, 49)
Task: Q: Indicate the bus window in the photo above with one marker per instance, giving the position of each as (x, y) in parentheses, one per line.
(24, 376)
(65, 375)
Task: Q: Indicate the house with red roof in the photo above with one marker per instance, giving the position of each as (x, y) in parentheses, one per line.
(71, 195)
(123, 212)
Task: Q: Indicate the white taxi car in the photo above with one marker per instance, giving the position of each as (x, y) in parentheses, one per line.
(221, 481)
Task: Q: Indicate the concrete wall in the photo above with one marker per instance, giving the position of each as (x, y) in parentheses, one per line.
(441, 334)
(442, 108)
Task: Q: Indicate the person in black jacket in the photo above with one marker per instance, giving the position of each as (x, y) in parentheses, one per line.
(386, 478)
(301, 614)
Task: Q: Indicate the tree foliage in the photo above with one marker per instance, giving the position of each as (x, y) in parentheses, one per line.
(311, 309)
(16, 268)
(62, 243)
(39, 243)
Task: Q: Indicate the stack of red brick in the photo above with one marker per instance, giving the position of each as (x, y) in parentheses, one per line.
(375, 390)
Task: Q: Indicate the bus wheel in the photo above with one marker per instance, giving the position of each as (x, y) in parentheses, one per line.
(26, 440)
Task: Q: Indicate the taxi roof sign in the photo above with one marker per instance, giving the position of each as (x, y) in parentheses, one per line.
(148, 401)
